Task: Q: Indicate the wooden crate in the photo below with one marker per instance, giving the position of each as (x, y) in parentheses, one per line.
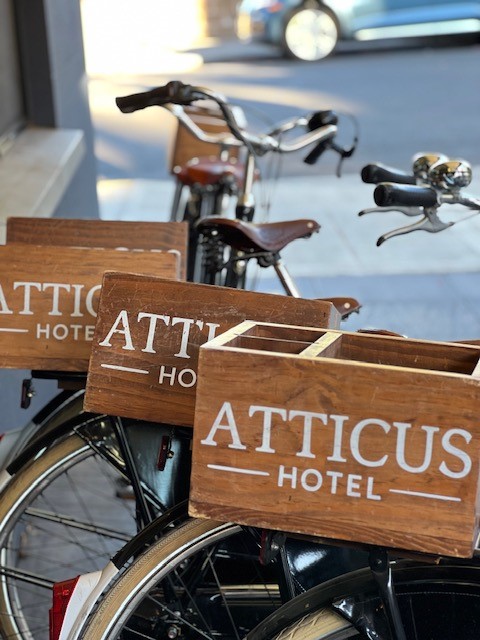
(164, 236)
(145, 350)
(49, 297)
(345, 436)
(186, 146)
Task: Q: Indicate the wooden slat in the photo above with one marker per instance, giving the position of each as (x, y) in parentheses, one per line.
(476, 371)
(49, 297)
(164, 236)
(398, 351)
(328, 346)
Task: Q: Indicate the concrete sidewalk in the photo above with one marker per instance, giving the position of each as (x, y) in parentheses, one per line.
(422, 285)
(346, 244)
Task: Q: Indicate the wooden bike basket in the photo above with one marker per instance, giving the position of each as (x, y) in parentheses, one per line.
(145, 349)
(49, 296)
(164, 236)
(345, 436)
(186, 146)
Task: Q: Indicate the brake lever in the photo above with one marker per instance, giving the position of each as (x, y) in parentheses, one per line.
(408, 211)
(430, 222)
(343, 153)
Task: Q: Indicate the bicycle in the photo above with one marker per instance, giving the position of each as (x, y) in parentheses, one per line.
(438, 598)
(212, 180)
(204, 170)
(53, 458)
(168, 562)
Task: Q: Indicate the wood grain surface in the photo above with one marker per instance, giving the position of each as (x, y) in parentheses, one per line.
(353, 437)
(165, 236)
(145, 351)
(49, 298)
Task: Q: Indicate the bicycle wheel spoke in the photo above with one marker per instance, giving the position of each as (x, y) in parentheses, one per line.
(77, 524)
(217, 591)
(179, 618)
(222, 595)
(69, 523)
(27, 577)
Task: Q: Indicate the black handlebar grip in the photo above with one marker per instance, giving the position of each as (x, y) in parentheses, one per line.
(389, 193)
(173, 92)
(375, 173)
(317, 120)
(322, 118)
(316, 152)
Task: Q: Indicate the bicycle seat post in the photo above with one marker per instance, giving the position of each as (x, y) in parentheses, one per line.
(285, 278)
(245, 208)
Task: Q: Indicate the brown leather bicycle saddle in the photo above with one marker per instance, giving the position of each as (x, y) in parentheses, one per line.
(269, 236)
(208, 170)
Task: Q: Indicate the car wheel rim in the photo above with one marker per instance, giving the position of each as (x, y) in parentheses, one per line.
(311, 34)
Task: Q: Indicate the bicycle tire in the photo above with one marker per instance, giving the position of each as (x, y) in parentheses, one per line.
(325, 624)
(320, 625)
(124, 608)
(33, 539)
(433, 607)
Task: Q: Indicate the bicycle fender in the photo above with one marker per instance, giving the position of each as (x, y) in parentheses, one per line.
(361, 585)
(90, 586)
(88, 589)
(43, 438)
(172, 517)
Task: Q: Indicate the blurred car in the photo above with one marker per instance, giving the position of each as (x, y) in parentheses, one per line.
(311, 29)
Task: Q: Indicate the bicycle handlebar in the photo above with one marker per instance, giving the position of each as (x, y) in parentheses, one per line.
(416, 200)
(173, 96)
(174, 92)
(388, 194)
(377, 172)
(438, 181)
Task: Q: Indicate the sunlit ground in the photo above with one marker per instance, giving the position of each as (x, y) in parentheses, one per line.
(134, 148)
(144, 36)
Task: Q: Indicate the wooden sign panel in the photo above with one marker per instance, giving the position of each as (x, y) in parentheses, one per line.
(145, 351)
(343, 436)
(163, 236)
(49, 298)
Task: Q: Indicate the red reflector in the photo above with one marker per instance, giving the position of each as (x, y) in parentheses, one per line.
(62, 592)
(276, 6)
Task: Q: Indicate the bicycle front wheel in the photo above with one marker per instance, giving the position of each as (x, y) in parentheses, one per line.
(435, 603)
(60, 516)
(202, 580)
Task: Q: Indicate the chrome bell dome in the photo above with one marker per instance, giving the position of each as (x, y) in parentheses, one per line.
(451, 175)
(423, 162)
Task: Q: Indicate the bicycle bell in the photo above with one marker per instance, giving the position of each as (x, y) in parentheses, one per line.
(423, 162)
(451, 175)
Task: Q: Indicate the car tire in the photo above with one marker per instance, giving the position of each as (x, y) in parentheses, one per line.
(310, 33)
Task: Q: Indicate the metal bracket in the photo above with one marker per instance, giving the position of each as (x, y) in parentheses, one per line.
(27, 393)
(381, 570)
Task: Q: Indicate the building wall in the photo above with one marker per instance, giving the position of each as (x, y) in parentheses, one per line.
(54, 86)
(219, 18)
